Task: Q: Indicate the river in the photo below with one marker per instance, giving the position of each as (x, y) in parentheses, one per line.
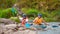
(53, 30)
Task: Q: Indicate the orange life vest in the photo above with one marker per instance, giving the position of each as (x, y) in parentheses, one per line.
(38, 20)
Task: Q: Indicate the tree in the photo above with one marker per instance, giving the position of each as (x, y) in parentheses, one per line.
(6, 3)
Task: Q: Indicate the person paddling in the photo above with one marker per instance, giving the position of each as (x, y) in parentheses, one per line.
(38, 22)
(24, 20)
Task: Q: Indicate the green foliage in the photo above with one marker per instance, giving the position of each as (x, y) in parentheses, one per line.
(31, 12)
(14, 11)
(56, 14)
(48, 8)
(15, 19)
(7, 13)
(50, 19)
(49, 5)
(31, 18)
(47, 15)
(51, 16)
(7, 3)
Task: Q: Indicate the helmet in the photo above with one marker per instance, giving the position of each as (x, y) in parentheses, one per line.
(24, 15)
(40, 15)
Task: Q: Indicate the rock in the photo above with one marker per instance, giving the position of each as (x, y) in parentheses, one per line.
(7, 28)
(9, 32)
(2, 29)
(19, 32)
(10, 26)
(30, 32)
(6, 21)
(26, 32)
(21, 28)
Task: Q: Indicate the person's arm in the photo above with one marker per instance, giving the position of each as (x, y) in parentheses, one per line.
(34, 20)
(27, 20)
(44, 22)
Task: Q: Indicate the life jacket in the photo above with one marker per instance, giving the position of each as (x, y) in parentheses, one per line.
(38, 20)
(24, 21)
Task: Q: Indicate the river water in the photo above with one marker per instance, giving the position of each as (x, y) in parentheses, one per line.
(55, 30)
(52, 30)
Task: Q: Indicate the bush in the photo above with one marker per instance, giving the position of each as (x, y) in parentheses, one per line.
(7, 13)
(31, 18)
(49, 16)
(30, 12)
(49, 19)
(15, 19)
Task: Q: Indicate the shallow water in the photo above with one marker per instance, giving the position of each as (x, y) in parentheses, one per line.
(55, 30)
